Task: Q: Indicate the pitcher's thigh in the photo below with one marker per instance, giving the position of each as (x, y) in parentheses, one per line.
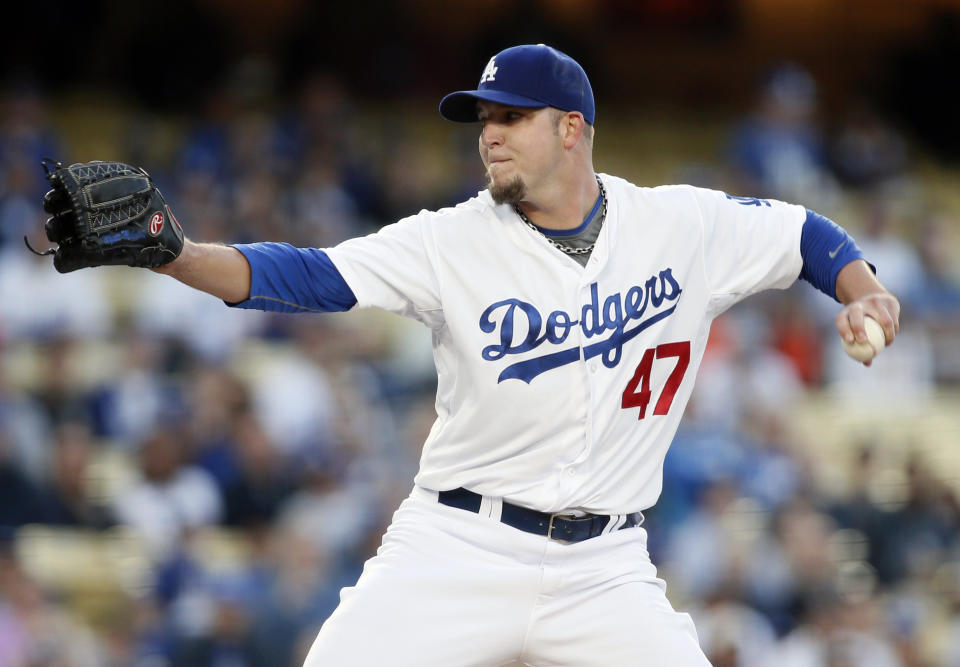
(627, 625)
(416, 614)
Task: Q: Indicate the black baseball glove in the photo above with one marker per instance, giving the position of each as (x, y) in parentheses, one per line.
(107, 213)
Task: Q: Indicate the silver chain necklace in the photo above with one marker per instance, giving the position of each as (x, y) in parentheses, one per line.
(561, 246)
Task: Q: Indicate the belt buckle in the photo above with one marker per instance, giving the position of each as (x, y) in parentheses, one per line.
(550, 526)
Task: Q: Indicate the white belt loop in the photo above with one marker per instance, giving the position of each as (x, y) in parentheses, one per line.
(491, 507)
(496, 508)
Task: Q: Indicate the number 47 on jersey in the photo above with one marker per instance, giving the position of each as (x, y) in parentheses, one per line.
(632, 398)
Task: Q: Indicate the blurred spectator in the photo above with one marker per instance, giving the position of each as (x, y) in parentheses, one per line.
(35, 630)
(226, 637)
(323, 212)
(38, 302)
(698, 555)
(326, 127)
(260, 211)
(262, 481)
(917, 537)
(304, 590)
(18, 204)
(280, 384)
(257, 610)
(898, 264)
(948, 649)
(804, 533)
(202, 204)
(217, 401)
(208, 588)
(19, 495)
(24, 429)
(743, 372)
(857, 509)
(778, 151)
(170, 497)
(772, 473)
(134, 634)
(351, 352)
(408, 190)
(733, 634)
(67, 498)
(867, 151)
(324, 110)
(789, 559)
(698, 458)
(326, 509)
(936, 299)
(137, 396)
(798, 335)
(835, 634)
(26, 137)
(935, 303)
(167, 308)
(206, 147)
(60, 389)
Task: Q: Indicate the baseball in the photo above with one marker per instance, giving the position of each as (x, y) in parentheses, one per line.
(868, 349)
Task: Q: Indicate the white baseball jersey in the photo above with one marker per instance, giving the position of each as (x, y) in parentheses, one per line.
(561, 387)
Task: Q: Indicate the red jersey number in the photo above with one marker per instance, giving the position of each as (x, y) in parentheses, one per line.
(632, 398)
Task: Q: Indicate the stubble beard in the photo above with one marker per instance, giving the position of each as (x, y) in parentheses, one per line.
(512, 192)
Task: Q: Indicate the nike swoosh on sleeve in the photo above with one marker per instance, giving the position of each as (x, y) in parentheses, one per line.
(833, 253)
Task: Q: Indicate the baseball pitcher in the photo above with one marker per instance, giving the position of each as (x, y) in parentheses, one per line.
(569, 312)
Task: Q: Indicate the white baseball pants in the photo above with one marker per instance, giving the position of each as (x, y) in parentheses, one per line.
(450, 588)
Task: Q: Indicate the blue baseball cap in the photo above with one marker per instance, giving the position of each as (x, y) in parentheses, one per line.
(531, 75)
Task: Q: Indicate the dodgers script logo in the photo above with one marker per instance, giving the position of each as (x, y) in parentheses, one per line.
(510, 316)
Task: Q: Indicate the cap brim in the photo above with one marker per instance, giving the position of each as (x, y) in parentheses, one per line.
(461, 106)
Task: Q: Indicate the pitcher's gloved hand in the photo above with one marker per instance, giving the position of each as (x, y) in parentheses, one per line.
(107, 213)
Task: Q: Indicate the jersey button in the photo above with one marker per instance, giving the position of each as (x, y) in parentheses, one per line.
(571, 472)
(593, 368)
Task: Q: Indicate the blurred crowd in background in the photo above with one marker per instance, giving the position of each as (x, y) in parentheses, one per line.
(186, 484)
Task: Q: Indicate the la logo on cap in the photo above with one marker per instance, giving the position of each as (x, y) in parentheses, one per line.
(489, 72)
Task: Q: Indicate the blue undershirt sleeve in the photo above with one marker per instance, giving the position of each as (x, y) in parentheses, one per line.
(825, 248)
(286, 279)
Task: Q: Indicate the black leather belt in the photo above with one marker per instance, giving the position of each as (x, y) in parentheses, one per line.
(564, 527)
